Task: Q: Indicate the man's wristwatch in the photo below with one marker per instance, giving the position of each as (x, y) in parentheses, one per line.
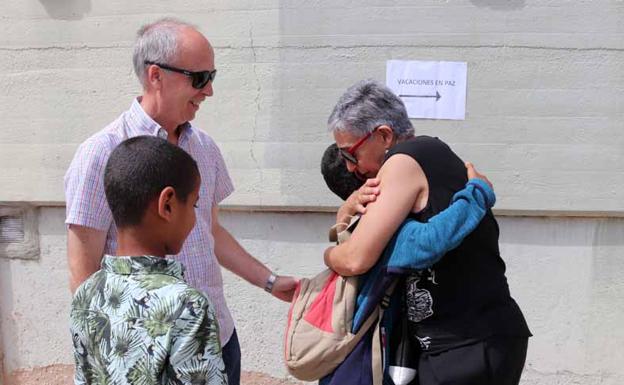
(268, 286)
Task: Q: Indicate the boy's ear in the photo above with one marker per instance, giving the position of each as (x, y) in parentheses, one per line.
(166, 201)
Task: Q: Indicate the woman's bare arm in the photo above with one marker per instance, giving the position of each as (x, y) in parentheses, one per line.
(403, 188)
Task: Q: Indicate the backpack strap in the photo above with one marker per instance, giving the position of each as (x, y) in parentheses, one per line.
(335, 229)
(377, 353)
(341, 231)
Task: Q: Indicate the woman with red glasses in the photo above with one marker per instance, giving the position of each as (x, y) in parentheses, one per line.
(459, 310)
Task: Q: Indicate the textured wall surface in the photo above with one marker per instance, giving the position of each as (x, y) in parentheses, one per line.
(545, 103)
(545, 113)
(564, 272)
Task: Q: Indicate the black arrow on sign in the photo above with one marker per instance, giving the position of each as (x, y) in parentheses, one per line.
(436, 96)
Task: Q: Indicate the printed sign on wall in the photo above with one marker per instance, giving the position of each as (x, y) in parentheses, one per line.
(429, 89)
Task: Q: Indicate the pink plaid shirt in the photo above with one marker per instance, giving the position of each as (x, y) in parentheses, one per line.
(87, 206)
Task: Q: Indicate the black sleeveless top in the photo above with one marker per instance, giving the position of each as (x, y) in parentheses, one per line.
(464, 297)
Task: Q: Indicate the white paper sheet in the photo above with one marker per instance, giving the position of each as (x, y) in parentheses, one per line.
(429, 89)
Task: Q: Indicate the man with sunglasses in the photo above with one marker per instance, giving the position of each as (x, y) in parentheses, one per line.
(175, 65)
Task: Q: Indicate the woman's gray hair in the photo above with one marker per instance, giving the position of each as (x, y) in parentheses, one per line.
(367, 105)
(157, 42)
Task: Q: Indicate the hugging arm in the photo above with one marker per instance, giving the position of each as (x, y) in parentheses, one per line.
(403, 186)
(416, 245)
(419, 245)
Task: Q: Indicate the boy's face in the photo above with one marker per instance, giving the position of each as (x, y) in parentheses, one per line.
(182, 220)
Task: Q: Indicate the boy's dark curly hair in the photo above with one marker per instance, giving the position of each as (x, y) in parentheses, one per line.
(339, 180)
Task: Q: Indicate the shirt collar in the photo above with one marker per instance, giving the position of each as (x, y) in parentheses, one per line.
(145, 264)
(143, 124)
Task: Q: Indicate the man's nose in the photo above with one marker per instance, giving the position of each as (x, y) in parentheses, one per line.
(207, 90)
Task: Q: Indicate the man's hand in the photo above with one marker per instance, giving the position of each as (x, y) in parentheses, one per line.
(284, 288)
(356, 203)
(473, 173)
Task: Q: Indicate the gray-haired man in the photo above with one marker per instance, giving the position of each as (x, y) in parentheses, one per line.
(175, 65)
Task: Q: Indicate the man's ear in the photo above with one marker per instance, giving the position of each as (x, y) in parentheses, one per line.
(387, 135)
(154, 76)
(166, 203)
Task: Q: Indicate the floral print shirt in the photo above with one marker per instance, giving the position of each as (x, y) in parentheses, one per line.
(135, 321)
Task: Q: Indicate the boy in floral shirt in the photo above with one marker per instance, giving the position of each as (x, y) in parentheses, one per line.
(135, 321)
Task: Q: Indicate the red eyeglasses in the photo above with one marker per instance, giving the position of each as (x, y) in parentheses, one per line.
(349, 153)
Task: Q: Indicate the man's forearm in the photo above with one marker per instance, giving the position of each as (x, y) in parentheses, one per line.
(235, 258)
(85, 247)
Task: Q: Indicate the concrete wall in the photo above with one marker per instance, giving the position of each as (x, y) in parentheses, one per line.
(545, 113)
(545, 88)
(564, 272)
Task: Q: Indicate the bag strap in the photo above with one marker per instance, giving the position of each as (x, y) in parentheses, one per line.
(333, 231)
(377, 348)
(336, 230)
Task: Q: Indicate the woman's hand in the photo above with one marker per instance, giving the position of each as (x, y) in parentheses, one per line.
(356, 203)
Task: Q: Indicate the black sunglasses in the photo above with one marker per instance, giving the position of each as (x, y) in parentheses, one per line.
(199, 79)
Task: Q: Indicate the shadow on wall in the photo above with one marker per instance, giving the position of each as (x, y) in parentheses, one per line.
(66, 9)
(500, 4)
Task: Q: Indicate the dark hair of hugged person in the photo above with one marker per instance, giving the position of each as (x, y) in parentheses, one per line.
(339, 180)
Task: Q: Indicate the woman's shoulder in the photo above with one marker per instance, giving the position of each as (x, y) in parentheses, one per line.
(420, 148)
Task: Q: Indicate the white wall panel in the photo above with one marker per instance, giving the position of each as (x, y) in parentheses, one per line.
(545, 105)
